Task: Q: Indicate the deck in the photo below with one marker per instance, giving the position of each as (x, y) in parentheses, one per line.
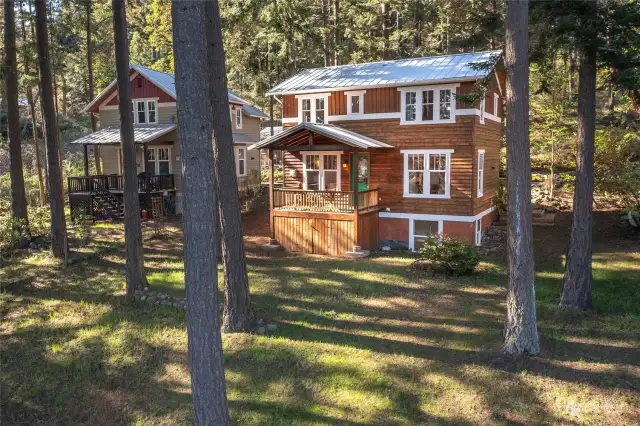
(115, 183)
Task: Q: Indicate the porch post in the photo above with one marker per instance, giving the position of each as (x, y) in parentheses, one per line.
(272, 231)
(86, 159)
(356, 159)
(147, 187)
(271, 113)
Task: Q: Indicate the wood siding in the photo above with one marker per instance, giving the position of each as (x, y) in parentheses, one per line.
(488, 137)
(318, 233)
(143, 88)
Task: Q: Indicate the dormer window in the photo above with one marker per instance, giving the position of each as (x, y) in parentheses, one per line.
(430, 104)
(145, 111)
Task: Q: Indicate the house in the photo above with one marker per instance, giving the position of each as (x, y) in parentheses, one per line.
(158, 161)
(385, 154)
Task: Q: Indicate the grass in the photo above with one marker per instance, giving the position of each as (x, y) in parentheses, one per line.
(362, 342)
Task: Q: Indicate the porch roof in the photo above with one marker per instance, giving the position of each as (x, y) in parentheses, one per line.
(111, 134)
(292, 135)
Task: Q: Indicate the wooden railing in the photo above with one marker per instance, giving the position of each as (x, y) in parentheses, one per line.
(106, 183)
(323, 201)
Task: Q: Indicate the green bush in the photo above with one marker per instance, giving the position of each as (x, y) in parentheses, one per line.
(450, 256)
(13, 232)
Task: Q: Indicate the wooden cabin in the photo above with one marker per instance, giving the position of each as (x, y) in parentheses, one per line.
(158, 150)
(385, 154)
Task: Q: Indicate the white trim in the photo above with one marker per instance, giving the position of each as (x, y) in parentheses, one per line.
(106, 89)
(412, 235)
(237, 150)
(236, 117)
(496, 101)
(477, 232)
(479, 176)
(388, 116)
(321, 170)
(492, 117)
(378, 116)
(290, 120)
(134, 106)
(483, 110)
(434, 217)
(436, 103)
(427, 176)
(167, 104)
(360, 95)
(312, 101)
(374, 86)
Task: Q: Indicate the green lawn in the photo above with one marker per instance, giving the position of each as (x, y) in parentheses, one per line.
(363, 342)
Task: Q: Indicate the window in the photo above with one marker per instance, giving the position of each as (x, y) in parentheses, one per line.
(320, 110)
(355, 102)
(480, 172)
(478, 232)
(241, 168)
(427, 105)
(482, 110)
(435, 104)
(423, 229)
(238, 117)
(306, 110)
(322, 171)
(158, 161)
(145, 111)
(496, 99)
(410, 106)
(426, 173)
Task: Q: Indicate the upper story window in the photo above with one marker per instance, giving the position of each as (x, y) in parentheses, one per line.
(355, 102)
(313, 108)
(482, 110)
(426, 173)
(480, 188)
(495, 104)
(430, 104)
(241, 160)
(238, 117)
(145, 111)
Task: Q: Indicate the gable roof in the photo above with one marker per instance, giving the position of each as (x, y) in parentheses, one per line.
(167, 83)
(111, 134)
(412, 71)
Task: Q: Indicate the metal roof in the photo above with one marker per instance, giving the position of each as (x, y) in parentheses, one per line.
(428, 70)
(266, 132)
(111, 134)
(242, 138)
(167, 83)
(345, 136)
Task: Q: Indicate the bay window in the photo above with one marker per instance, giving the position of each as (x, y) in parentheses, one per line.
(427, 173)
(428, 104)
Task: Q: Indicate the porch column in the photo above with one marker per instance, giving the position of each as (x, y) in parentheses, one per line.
(147, 187)
(272, 230)
(271, 114)
(356, 160)
(86, 159)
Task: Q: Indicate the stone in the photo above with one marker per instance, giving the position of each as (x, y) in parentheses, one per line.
(272, 327)
(261, 330)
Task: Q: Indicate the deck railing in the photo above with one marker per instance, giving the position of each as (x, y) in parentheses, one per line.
(324, 201)
(115, 183)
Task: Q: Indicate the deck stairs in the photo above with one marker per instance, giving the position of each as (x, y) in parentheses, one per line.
(108, 206)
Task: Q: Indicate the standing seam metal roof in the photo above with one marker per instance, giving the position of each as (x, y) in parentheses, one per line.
(388, 73)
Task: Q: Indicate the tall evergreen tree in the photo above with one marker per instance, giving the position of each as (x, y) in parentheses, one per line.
(520, 332)
(200, 213)
(52, 135)
(237, 306)
(18, 198)
(136, 278)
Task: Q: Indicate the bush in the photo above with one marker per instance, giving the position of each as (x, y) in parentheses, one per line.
(451, 256)
(13, 233)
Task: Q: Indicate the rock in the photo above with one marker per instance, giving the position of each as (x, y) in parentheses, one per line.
(261, 330)
(272, 327)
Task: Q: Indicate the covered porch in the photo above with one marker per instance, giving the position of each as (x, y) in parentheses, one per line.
(327, 205)
(101, 195)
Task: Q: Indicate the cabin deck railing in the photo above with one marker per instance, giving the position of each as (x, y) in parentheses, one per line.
(115, 183)
(324, 201)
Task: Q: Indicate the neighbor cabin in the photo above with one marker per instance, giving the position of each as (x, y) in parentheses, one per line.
(158, 162)
(384, 154)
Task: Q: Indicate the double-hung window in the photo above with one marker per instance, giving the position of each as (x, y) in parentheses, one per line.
(241, 159)
(313, 109)
(482, 110)
(322, 171)
(238, 117)
(496, 98)
(429, 104)
(145, 111)
(306, 110)
(427, 173)
(480, 172)
(158, 161)
(478, 233)
(319, 110)
(355, 104)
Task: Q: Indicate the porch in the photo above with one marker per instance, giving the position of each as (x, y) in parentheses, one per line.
(327, 205)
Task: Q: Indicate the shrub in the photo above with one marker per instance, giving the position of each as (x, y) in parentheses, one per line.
(451, 256)
(13, 233)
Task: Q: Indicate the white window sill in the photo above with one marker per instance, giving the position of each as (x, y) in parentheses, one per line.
(444, 196)
(403, 122)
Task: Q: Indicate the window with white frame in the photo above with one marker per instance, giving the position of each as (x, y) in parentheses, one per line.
(478, 239)
(426, 173)
(313, 108)
(482, 110)
(430, 104)
(422, 229)
(145, 111)
(321, 171)
(319, 110)
(238, 116)
(496, 98)
(241, 161)
(355, 102)
(306, 110)
(158, 161)
(480, 172)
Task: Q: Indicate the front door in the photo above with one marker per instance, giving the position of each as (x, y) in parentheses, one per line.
(360, 171)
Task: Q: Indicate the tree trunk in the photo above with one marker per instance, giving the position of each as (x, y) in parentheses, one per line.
(325, 39)
(94, 126)
(336, 32)
(18, 198)
(136, 278)
(52, 135)
(576, 286)
(200, 213)
(634, 94)
(520, 331)
(417, 24)
(237, 307)
(384, 6)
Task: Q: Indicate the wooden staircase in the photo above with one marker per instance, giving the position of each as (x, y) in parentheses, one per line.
(107, 206)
